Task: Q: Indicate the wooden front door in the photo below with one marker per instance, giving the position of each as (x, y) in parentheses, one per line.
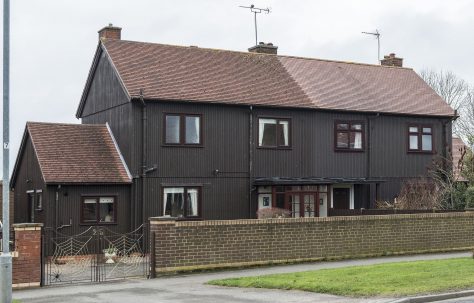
(303, 204)
(341, 199)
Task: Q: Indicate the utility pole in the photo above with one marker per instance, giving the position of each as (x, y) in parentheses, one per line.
(255, 11)
(5, 257)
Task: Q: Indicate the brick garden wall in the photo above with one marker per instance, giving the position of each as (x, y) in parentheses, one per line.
(191, 245)
(27, 255)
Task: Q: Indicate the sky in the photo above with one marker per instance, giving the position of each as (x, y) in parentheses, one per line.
(53, 41)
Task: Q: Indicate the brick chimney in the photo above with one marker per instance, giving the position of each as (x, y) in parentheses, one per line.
(110, 32)
(391, 60)
(264, 48)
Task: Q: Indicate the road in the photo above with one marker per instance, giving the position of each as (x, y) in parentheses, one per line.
(191, 288)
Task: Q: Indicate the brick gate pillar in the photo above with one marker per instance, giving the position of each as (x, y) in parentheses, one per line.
(27, 255)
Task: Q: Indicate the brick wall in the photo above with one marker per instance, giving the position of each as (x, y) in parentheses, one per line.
(191, 245)
(27, 255)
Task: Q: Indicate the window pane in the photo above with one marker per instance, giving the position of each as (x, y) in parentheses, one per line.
(267, 132)
(106, 205)
(284, 133)
(427, 130)
(342, 126)
(413, 129)
(192, 130)
(356, 140)
(39, 200)
(426, 143)
(172, 129)
(356, 126)
(342, 140)
(192, 207)
(173, 204)
(89, 210)
(323, 188)
(414, 142)
(280, 200)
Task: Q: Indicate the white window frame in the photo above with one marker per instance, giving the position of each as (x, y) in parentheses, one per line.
(351, 193)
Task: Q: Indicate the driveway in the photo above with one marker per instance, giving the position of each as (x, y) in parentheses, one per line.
(191, 287)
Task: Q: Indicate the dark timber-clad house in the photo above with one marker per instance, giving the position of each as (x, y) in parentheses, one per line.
(216, 134)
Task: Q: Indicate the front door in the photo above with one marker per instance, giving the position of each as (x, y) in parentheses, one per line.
(303, 204)
(341, 199)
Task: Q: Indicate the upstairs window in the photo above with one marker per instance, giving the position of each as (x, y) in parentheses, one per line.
(349, 136)
(181, 202)
(182, 129)
(420, 138)
(98, 210)
(274, 133)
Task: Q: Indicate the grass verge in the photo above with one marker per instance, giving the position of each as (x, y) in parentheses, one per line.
(390, 279)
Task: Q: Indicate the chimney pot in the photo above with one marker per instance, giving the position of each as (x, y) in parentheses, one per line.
(264, 48)
(392, 60)
(110, 32)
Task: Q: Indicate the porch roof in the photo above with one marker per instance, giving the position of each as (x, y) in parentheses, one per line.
(314, 180)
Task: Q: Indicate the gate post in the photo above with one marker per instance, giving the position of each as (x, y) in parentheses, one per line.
(27, 261)
(152, 256)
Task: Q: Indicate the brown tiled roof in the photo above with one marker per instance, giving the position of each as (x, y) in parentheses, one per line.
(77, 153)
(458, 148)
(167, 72)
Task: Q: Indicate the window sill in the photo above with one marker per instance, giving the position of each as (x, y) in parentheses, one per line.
(275, 147)
(342, 150)
(421, 152)
(183, 145)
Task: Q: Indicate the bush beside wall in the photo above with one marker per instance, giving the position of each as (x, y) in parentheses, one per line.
(192, 245)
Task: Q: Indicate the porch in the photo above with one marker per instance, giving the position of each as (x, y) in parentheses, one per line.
(316, 197)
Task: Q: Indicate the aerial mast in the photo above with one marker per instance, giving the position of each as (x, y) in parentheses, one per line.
(377, 36)
(255, 11)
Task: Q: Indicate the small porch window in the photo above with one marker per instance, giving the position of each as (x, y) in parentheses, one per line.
(181, 202)
(98, 210)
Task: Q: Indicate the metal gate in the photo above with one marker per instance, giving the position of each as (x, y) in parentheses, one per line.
(96, 255)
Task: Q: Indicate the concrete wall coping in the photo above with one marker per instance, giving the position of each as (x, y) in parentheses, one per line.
(27, 226)
(181, 222)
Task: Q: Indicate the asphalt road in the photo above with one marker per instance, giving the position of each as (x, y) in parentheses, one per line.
(459, 300)
(191, 288)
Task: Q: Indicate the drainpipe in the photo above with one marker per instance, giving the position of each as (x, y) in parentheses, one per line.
(250, 159)
(144, 160)
(56, 225)
(367, 166)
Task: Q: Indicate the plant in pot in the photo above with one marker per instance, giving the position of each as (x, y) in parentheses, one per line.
(110, 254)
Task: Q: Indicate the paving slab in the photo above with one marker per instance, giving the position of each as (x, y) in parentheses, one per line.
(192, 287)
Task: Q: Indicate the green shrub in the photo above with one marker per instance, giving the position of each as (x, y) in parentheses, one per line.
(469, 196)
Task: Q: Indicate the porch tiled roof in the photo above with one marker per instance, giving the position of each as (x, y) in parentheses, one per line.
(77, 153)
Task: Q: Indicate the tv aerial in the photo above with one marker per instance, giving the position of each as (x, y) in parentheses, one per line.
(255, 11)
(377, 36)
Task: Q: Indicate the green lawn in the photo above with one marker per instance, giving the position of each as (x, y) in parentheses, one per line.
(391, 279)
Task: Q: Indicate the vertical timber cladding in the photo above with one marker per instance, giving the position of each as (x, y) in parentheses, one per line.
(190, 245)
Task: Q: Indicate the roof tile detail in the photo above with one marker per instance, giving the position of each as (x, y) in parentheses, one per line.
(77, 153)
(167, 72)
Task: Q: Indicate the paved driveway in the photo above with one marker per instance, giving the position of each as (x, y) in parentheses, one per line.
(191, 288)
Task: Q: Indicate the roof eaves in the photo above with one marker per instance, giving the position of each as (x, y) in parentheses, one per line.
(122, 83)
(119, 152)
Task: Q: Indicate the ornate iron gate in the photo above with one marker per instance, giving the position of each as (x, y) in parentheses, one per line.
(96, 255)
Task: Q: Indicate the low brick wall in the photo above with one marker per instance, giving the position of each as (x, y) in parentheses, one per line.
(27, 255)
(193, 245)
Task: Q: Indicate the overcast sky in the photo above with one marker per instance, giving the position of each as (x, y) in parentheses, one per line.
(53, 41)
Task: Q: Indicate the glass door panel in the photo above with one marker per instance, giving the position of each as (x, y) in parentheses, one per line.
(309, 205)
(294, 200)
